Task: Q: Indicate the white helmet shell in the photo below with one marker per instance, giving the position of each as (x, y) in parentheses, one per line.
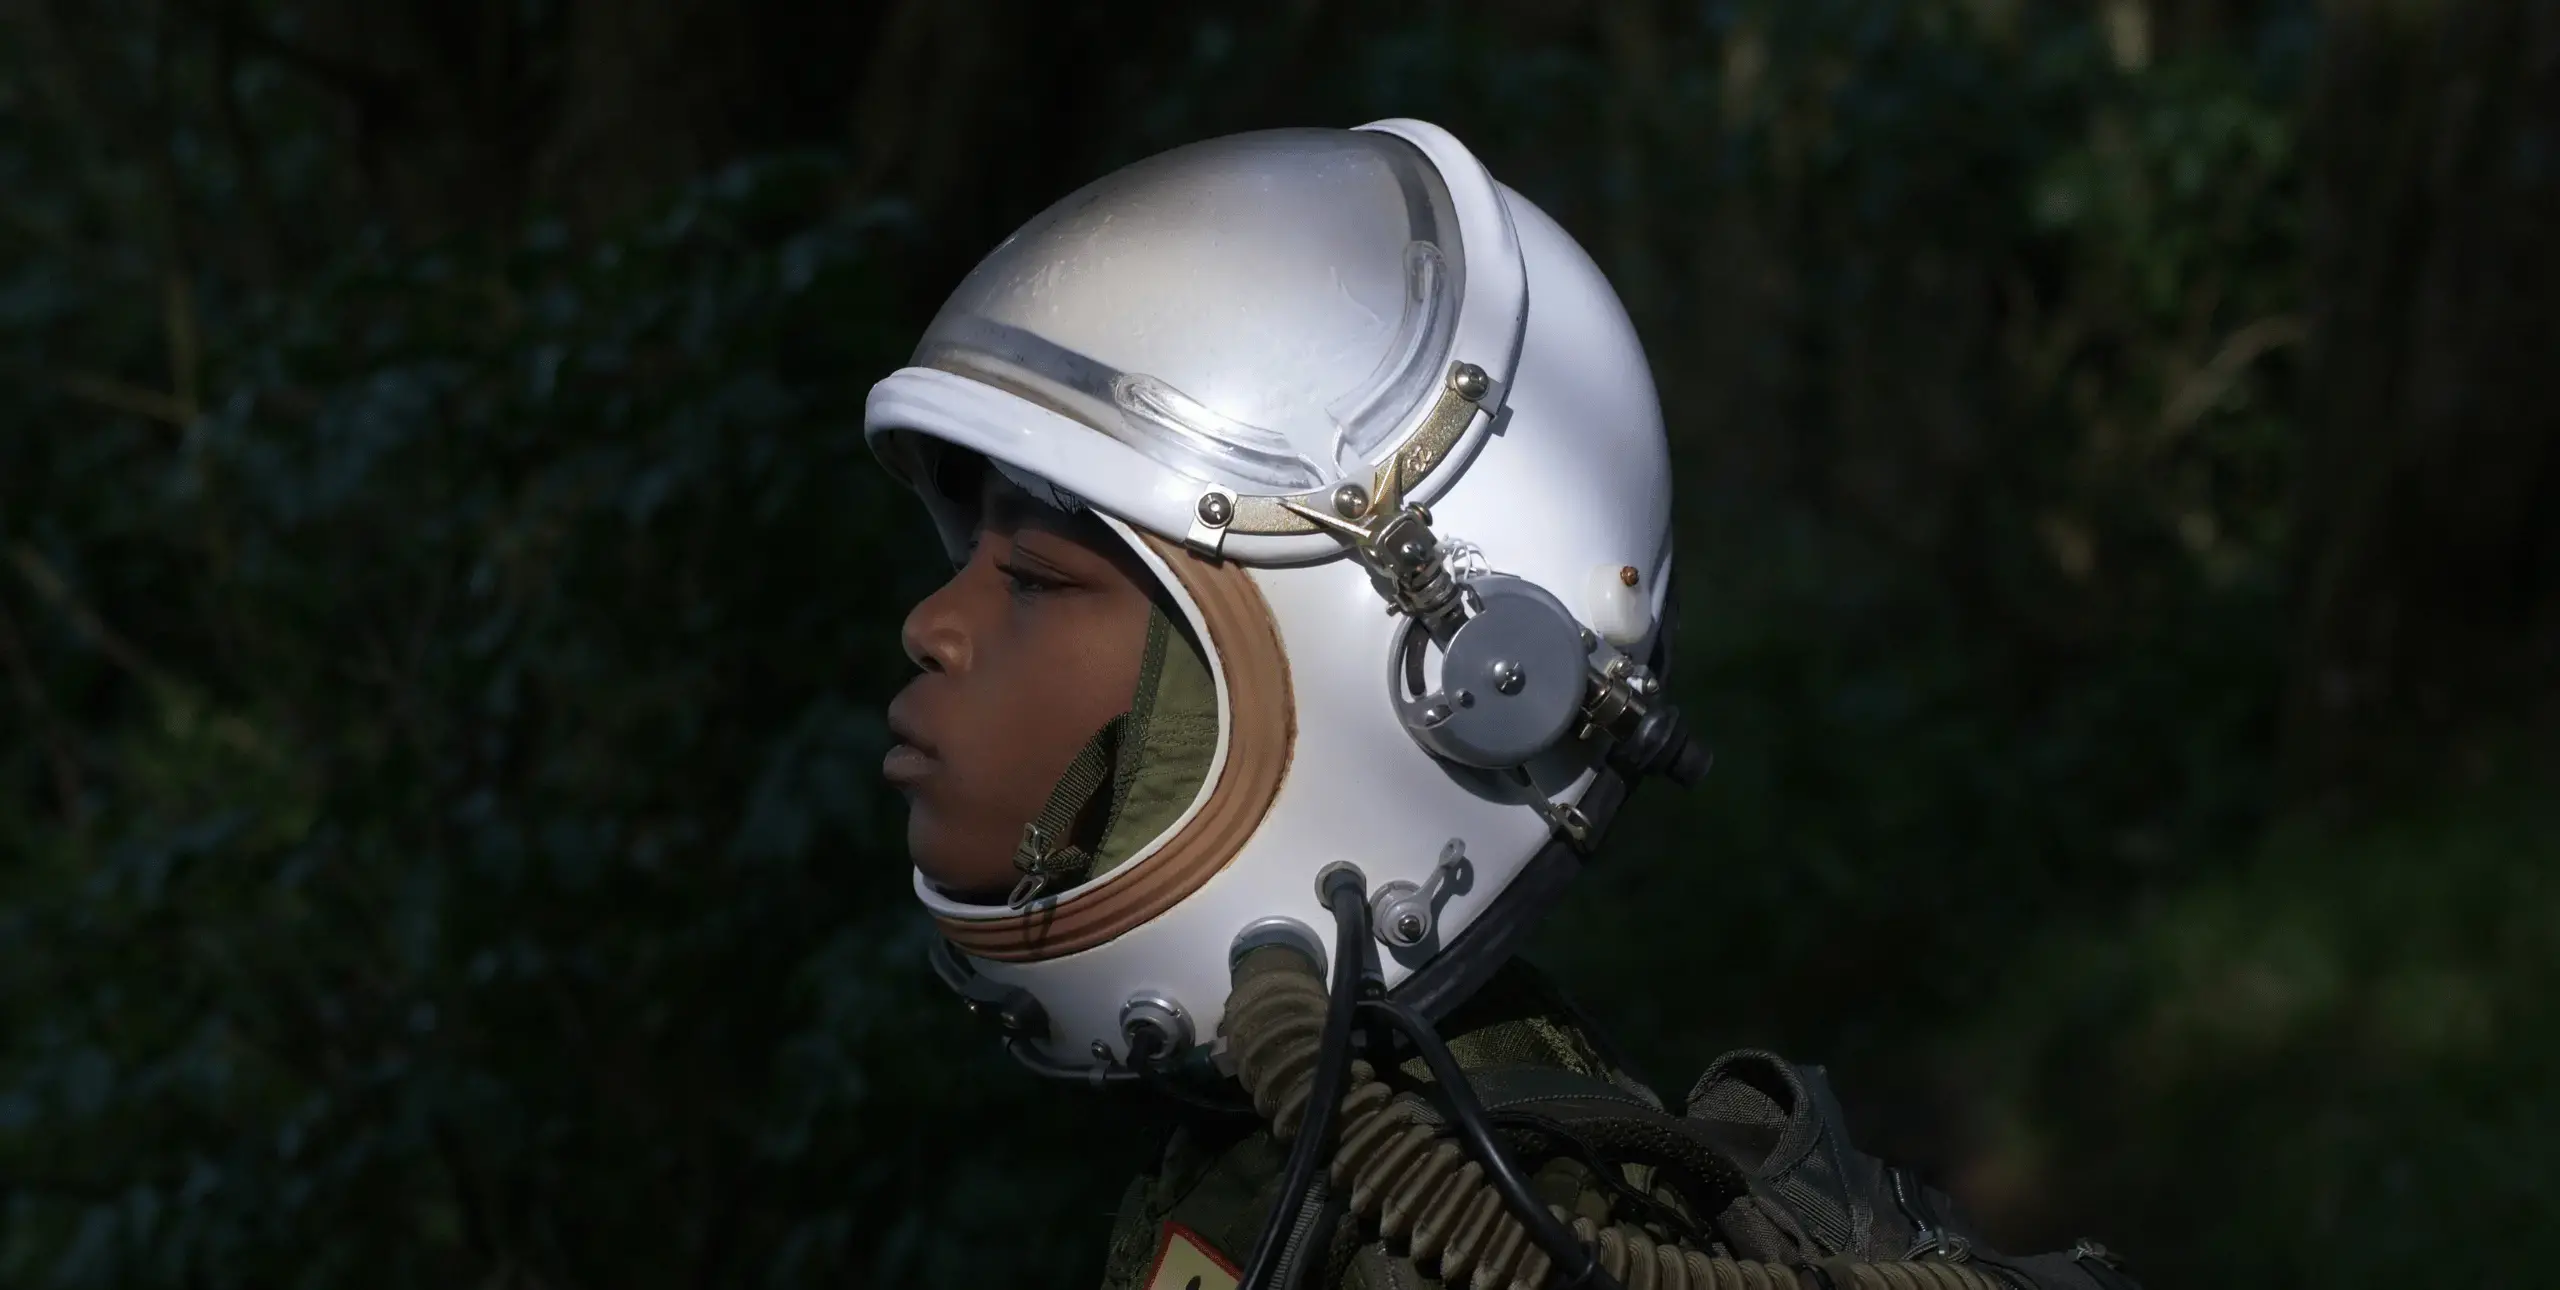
(1199, 343)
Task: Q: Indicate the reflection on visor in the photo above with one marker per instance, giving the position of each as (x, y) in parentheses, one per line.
(1184, 430)
(1410, 367)
(1263, 312)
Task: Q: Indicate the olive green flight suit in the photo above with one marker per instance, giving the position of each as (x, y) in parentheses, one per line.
(1812, 1197)
(1218, 1181)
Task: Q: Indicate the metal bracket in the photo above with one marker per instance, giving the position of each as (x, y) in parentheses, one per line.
(1567, 820)
(1211, 517)
(1465, 391)
(1009, 1008)
(1404, 913)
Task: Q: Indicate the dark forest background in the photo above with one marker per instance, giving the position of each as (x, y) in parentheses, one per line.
(445, 607)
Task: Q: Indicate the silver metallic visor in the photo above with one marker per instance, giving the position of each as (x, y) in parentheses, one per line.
(1261, 311)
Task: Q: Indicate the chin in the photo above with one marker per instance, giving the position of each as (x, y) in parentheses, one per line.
(926, 849)
(951, 863)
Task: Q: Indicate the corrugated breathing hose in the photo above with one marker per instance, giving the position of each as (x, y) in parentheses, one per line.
(1427, 1196)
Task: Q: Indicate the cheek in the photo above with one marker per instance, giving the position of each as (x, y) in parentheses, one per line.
(1032, 698)
(1047, 691)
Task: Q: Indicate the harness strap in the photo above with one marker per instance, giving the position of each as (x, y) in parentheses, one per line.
(1059, 845)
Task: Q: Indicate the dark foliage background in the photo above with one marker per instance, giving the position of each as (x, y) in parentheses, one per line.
(445, 607)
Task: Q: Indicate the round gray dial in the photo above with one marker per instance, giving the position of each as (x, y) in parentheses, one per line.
(1512, 678)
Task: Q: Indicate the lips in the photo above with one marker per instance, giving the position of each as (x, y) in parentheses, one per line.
(911, 759)
(907, 767)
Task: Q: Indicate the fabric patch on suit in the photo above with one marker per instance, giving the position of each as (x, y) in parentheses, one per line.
(1185, 1262)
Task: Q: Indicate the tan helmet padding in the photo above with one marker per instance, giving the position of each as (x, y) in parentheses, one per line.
(1261, 731)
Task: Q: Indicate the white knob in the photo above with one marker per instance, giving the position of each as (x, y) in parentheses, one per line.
(1617, 605)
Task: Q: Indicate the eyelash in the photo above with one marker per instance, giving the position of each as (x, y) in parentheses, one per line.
(1027, 584)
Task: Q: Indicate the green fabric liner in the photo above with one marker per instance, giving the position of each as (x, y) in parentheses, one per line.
(1133, 779)
(1167, 756)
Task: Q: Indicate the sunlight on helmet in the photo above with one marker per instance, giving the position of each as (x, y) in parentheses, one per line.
(1265, 311)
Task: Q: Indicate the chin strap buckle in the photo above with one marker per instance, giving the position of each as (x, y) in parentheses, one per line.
(1045, 865)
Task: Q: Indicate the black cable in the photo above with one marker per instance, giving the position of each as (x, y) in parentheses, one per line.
(1170, 1086)
(1333, 1204)
(1346, 893)
(1606, 1172)
(1023, 1051)
(1311, 1226)
(1320, 1246)
(1571, 1258)
(1159, 1072)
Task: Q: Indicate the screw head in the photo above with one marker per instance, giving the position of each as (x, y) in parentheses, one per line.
(1215, 510)
(1350, 500)
(1508, 677)
(1409, 928)
(1469, 381)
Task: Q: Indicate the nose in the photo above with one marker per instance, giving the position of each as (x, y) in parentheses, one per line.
(934, 635)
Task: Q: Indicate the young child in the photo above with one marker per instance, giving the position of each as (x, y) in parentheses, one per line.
(1310, 513)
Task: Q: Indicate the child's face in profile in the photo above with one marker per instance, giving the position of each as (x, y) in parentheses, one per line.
(1027, 652)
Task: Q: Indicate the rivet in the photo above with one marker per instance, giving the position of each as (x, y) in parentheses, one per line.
(1350, 500)
(1469, 381)
(1627, 574)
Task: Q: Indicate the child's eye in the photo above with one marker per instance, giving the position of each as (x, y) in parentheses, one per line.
(1026, 583)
